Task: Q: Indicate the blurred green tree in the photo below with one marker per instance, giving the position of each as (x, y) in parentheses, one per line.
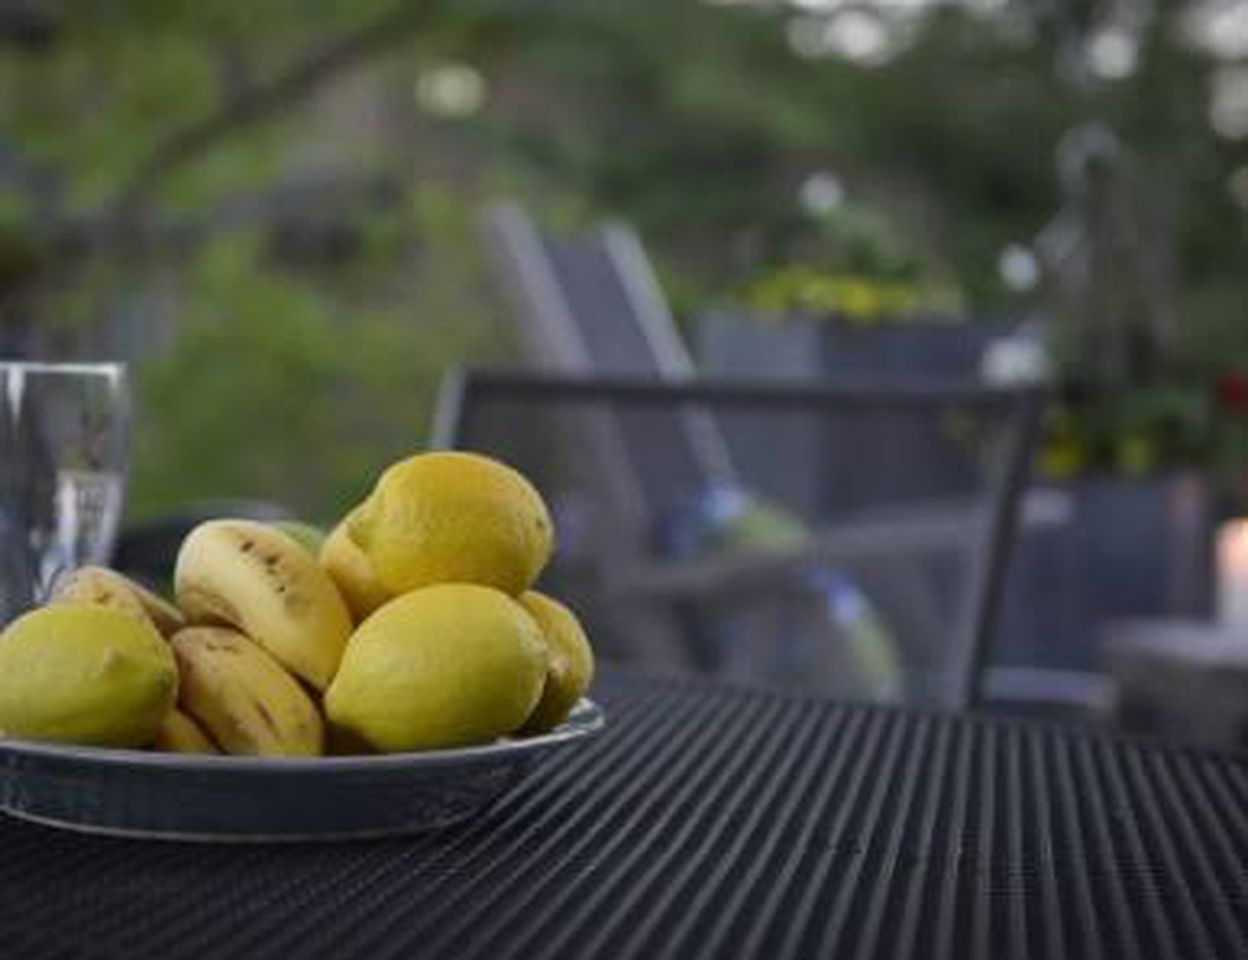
(268, 207)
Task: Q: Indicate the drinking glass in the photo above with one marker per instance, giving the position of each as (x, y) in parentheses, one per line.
(64, 439)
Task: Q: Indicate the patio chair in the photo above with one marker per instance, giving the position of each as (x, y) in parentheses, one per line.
(745, 586)
(589, 304)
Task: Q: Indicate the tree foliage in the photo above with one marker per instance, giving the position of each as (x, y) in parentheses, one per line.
(252, 204)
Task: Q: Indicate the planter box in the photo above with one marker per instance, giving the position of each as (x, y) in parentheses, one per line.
(742, 344)
(1100, 549)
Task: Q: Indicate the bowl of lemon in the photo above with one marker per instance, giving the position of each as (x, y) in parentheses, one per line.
(398, 673)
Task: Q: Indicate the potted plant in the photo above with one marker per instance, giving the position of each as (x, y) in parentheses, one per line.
(856, 301)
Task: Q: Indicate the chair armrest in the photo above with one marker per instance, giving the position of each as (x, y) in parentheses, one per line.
(767, 570)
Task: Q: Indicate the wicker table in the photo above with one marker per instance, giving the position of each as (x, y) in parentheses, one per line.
(711, 822)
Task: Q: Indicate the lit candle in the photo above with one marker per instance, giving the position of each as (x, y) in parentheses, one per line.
(1233, 573)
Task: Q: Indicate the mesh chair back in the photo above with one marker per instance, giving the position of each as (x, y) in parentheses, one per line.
(880, 572)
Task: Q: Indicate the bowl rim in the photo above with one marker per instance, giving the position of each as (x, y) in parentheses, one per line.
(586, 718)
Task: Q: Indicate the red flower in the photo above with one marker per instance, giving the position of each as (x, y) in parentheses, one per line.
(1232, 392)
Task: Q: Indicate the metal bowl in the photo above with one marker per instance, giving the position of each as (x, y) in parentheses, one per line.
(217, 798)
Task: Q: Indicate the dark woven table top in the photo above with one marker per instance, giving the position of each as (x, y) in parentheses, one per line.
(710, 822)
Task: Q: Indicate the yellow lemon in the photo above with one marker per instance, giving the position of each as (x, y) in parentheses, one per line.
(571, 661)
(80, 673)
(453, 518)
(445, 666)
(350, 570)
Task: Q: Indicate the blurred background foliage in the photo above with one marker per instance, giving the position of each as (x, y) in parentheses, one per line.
(269, 208)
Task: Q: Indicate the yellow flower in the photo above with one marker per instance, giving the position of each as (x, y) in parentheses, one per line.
(1062, 459)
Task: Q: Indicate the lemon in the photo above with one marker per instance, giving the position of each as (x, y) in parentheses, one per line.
(571, 661)
(453, 517)
(87, 674)
(445, 666)
(349, 568)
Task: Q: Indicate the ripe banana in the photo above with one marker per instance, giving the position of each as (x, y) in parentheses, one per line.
(108, 588)
(257, 579)
(178, 733)
(349, 567)
(243, 697)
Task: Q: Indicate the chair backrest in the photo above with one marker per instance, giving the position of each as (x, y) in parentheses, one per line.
(928, 566)
(589, 305)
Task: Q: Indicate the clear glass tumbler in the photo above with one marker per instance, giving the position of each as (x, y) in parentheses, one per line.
(64, 448)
